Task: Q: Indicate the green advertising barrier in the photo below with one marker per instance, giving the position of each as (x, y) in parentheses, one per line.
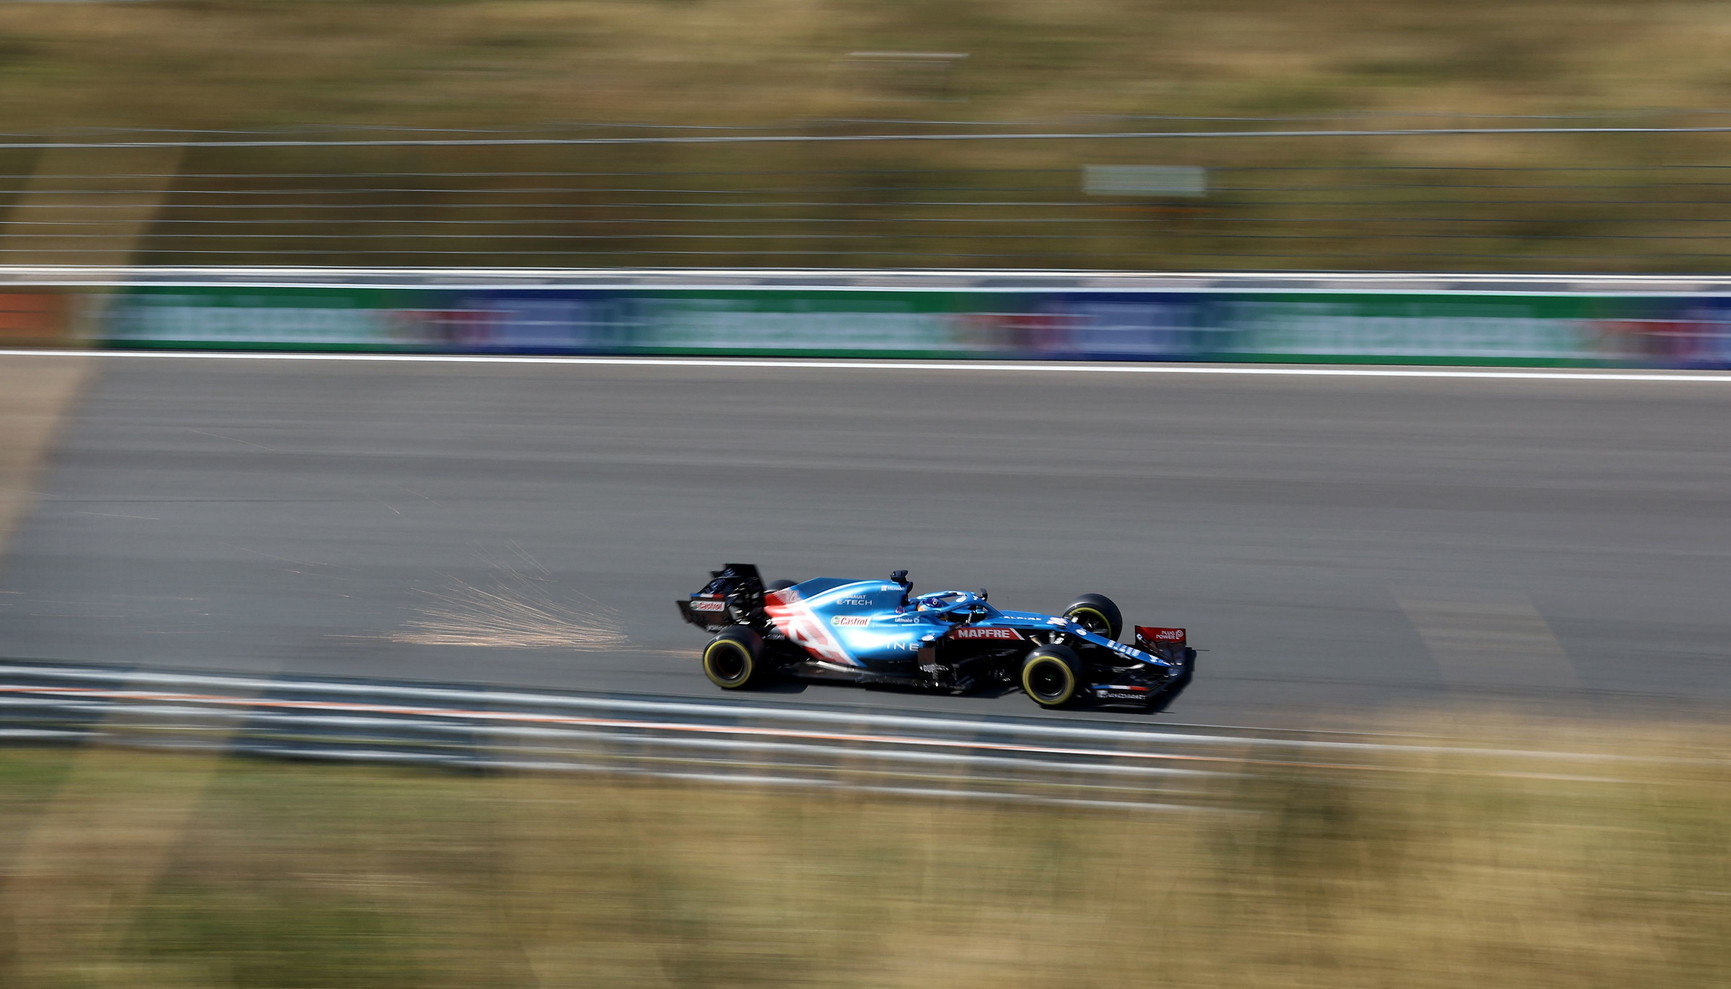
(290, 318)
(1431, 328)
(831, 324)
(1319, 326)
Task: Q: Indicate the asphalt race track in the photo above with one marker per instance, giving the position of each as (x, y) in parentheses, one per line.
(1340, 546)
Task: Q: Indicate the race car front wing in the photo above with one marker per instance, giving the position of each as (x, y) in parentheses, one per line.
(1144, 684)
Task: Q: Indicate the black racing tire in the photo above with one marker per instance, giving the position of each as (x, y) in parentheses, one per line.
(1098, 613)
(1052, 676)
(733, 660)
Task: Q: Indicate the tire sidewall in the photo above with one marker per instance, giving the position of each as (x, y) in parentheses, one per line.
(732, 647)
(1091, 610)
(1104, 608)
(1065, 661)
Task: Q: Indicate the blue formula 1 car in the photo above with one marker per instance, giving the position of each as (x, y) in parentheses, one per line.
(880, 632)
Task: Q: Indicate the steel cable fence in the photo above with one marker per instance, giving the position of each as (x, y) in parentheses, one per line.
(1530, 199)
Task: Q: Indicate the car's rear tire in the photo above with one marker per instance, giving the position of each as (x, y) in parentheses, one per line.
(734, 659)
(1052, 676)
(1098, 614)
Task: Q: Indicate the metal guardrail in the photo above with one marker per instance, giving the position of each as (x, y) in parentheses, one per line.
(1114, 764)
(864, 194)
(841, 279)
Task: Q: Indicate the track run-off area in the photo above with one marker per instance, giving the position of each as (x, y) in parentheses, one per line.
(1347, 545)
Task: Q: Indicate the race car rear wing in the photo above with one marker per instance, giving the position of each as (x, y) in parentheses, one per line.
(734, 593)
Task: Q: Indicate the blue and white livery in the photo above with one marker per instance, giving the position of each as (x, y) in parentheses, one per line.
(879, 631)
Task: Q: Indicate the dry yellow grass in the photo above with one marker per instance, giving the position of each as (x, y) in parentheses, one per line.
(492, 62)
(216, 64)
(1435, 871)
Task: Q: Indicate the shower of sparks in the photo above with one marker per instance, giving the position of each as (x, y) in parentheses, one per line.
(513, 610)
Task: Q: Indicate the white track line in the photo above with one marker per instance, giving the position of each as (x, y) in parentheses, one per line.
(1585, 374)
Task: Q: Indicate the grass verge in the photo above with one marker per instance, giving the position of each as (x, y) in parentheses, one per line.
(1431, 870)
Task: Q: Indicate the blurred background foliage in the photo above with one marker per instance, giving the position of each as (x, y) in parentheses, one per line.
(467, 63)
(322, 70)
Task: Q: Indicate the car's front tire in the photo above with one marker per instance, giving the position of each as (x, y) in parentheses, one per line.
(1098, 614)
(1052, 676)
(734, 659)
